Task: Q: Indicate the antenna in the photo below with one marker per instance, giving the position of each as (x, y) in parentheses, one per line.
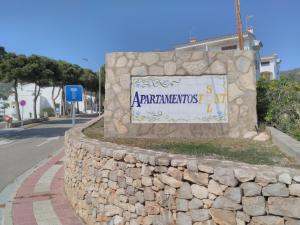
(247, 21)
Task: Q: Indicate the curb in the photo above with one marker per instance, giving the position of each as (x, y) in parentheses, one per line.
(285, 143)
(13, 188)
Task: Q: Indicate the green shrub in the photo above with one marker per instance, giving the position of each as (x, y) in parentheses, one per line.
(49, 110)
(278, 105)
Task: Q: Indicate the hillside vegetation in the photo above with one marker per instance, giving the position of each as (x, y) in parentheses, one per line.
(292, 74)
(278, 104)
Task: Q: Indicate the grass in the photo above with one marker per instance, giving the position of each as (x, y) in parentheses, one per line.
(261, 153)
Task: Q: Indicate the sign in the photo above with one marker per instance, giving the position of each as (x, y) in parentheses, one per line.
(22, 103)
(73, 93)
(179, 99)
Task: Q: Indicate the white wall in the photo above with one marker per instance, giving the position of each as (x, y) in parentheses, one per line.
(26, 92)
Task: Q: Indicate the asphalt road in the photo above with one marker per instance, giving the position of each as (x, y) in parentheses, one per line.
(22, 149)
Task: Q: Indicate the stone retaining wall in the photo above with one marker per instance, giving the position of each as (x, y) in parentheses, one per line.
(117, 185)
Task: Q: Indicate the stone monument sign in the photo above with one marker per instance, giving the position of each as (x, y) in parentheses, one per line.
(180, 94)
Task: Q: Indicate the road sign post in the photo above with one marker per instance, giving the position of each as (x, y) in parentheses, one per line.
(22, 103)
(73, 94)
(73, 114)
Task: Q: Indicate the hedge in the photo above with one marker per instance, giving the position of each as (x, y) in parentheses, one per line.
(278, 105)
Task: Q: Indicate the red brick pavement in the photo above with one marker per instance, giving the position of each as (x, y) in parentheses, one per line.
(22, 211)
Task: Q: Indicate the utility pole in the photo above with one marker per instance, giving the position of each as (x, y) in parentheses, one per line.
(239, 24)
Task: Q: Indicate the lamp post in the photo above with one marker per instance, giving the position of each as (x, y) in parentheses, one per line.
(99, 71)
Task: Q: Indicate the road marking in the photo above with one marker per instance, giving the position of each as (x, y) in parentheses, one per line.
(4, 142)
(47, 141)
(44, 183)
(9, 192)
(44, 213)
(14, 142)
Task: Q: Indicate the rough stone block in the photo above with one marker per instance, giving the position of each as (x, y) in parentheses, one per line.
(251, 189)
(223, 217)
(289, 207)
(267, 220)
(279, 190)
(254, 206)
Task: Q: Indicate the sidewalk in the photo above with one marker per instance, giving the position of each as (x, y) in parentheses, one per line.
(40, 199)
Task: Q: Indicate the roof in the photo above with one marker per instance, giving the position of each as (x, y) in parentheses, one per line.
(273, 57)
(213, 39)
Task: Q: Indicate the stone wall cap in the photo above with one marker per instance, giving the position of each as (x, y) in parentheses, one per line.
(151, 157)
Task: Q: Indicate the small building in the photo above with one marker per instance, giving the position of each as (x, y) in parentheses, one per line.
(270, 67)
(223, 43)
(227, 42)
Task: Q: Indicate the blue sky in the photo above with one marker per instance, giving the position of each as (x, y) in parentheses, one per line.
(76, 29)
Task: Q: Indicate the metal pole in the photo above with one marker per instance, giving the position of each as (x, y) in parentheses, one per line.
(22, 122)
(73, 114)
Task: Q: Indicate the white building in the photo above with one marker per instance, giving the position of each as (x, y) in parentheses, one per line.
(270, 66)
(44, 101)
(223, 43)
(26, 92)
(228, 42)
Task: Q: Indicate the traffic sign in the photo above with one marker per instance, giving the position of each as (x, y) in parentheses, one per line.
(73, 93)
(22, 103)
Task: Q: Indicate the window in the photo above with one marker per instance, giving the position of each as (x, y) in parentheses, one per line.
(266, 63)
(230, 47)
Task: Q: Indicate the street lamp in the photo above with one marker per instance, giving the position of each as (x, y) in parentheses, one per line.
(99, 71)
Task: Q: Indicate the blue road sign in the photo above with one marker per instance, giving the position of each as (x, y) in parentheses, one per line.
(73, 93)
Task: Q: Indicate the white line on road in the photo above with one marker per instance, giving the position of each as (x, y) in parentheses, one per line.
(47, 141)
(14, 142)
(4, 142)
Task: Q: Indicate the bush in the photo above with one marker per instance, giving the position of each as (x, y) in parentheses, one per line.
(49, 110)
(278, 105)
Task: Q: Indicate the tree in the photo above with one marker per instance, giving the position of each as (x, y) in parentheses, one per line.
(89, 81)
(55, 81)
(4, 106)
(278, 104)
(103, 78)
(38, 72)
(12, 69)
(70, 74)
(2, 52)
